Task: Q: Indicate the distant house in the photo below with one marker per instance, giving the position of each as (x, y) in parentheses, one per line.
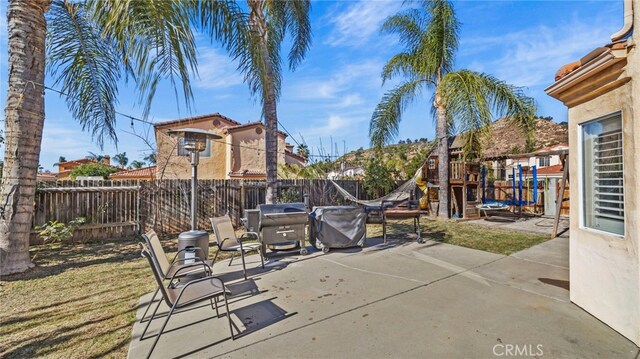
(547, 161)
(240, 154)
(142, 174)
(65, 168)
(351, 172)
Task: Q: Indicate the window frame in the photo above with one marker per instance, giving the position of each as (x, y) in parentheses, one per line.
(547, 159)
(581, 185)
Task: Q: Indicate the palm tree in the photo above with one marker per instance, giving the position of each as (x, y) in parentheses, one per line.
(136, 164)
(61, 159)
(91, 46)
(95, 157)
(151, 158)
(303, 150)
(259, 54)
(121, 159)
(429, 34)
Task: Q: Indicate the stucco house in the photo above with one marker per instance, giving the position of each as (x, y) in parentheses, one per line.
(357, 172)
(240, 154)
(602, 93)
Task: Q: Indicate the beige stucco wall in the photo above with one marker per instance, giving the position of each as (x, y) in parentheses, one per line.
(172, 166)
(248, 150)
(604, 268)
(292, 160)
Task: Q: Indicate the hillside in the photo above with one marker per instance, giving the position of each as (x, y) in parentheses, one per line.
(506, 138)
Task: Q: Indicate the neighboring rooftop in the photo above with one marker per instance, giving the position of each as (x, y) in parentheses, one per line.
(199, 118)
(139, 173)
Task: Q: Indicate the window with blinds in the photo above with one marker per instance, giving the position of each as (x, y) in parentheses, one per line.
(602, 165)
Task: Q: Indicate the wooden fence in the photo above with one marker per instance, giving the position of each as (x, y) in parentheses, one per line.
(123, 208)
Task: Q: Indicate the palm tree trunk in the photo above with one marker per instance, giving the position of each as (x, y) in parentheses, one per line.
(269, 101)
(443, 159)
(271, 135)
(24, 119)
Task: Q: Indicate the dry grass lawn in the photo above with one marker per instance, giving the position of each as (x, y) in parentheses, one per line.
(462, 234)
(80, 300)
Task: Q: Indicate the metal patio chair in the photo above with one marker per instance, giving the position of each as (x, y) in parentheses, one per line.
(226, 241)
(208, 288)
(168, 269)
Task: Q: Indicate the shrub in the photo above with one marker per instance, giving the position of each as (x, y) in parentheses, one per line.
(93, 169)
(54, 231)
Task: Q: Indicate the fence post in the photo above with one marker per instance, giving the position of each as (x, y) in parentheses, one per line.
(243, 199)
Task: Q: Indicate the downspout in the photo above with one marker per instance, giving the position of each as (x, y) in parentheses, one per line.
(627, 26)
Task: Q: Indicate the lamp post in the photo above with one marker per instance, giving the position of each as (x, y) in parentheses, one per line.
(195, 141)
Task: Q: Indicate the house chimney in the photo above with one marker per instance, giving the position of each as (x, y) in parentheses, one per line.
(106, 159)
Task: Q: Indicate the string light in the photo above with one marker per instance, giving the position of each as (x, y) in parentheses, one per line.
(133, 118)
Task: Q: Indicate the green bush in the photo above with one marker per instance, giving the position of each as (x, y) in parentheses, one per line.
(54, 231)
(93, 169)
(378, 178)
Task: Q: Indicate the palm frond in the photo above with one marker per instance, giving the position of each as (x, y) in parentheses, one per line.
(259, 45)
(155, 40)
(223, 20)
(471, 98)
(87, 68)
(399, 64)
(440, 40)
(300, 29)
(388, 113)
(409, 25)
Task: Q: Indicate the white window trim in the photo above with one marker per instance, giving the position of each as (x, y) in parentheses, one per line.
(580, 178)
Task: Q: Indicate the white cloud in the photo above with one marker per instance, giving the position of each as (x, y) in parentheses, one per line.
(333, 125)
(353, 76)
(531, 56)
(351, 100)
(355, 25)
(216, 70)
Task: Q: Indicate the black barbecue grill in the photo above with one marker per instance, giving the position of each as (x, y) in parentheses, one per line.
(283, 223)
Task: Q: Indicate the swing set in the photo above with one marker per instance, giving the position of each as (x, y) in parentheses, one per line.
(517, 187)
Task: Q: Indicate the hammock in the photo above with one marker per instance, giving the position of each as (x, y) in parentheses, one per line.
(400, 194)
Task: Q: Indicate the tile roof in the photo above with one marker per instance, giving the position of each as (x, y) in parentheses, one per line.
(559, 146)
(249, 124)
(595, 53)
(247, 173)
(140, 172)
(194, 119)
(555, 169)
(46, 176)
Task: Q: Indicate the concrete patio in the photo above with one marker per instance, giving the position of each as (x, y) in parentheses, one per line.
(398, 300)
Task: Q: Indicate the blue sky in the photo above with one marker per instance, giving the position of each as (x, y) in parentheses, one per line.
(331, 96)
